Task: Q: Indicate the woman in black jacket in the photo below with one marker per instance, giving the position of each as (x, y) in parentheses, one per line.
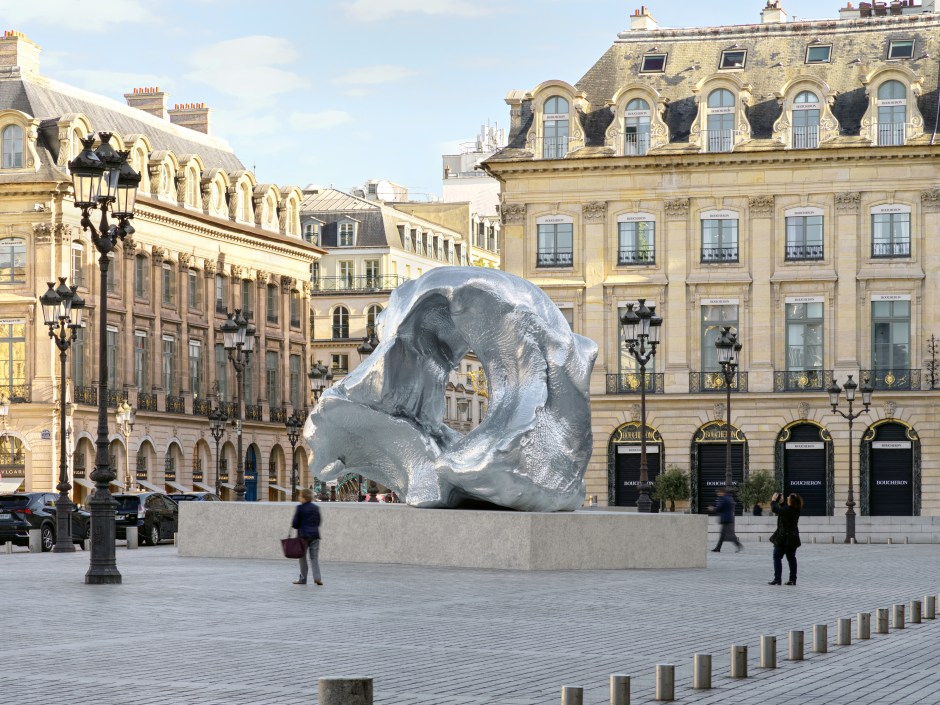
(786, 539)
(307, 522)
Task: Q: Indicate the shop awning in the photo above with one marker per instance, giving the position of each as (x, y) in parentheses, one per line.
(279, 488)
(10, 484)
(83, 482)
(119, 485)
(204, 487)
(178, 487)
(228, 486)
(152, 488)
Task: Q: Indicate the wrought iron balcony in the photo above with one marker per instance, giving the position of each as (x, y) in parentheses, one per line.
(220, 307)
(802, 380)
(635, 255)
(629, 383)
(806, 137)
(719, 140)
(636, 144)
(230, 409)
(898, 248)
(175, 405)
(341, 332)
(715, 382)
(202, 407)
(892, 134)
(720, 254)
(893, 380)
(116, 398)
(359, 283)
(278, 414)
(554, 258)
(253, 412)
(86, 395)
(804, 251)
(146, 401)
(18, 393)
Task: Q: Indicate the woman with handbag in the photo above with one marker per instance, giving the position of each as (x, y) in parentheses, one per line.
(307, 522)
(786, 539)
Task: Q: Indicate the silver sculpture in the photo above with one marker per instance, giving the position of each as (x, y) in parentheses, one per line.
(386, 419)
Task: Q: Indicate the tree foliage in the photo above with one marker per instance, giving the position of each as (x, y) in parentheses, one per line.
(758, 486)
(672, 486)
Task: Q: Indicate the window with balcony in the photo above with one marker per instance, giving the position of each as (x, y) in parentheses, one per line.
(169, 285)
(168, 365)
(890, 341)
(141, 278)
(295, 309)
(806, 107)
(194, 290)
(315, 273)
(221, 305)
(296, 398)
(347, 234)
(804, 323)
(11, 145)
(12, 261)
(636, 128)
(339, 363)
(340, 323)
(312, 233)
(248, 299)
(714, 317)
(372, 313)
(555, 245)
(372, 273)
(13, 379)
(892, 113)
(891, 231)
(719, 110)
(221, 371)
(637, 235)
(195, 369)
(804, 235)
(272, 377)
(719, 239)
(78, 264)
(142, 361)
(555, 115)
(112, 339)
(271, 304)
(77, 360)
(346, 271)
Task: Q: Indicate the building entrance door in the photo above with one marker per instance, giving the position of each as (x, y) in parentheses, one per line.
(628, 473)
(891, 484)
(709, 452)
(806, 466)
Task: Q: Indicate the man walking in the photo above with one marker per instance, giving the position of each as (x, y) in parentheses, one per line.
(724, 508)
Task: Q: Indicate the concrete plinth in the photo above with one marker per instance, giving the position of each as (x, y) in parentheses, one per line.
(393, 533)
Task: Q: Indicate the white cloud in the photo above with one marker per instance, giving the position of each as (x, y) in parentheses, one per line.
(324, 120)
(247, 67)
(376, 10)
(374, 75)
(67, 14)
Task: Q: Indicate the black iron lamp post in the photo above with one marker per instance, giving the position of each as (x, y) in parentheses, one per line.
(217, 421)
(850, 388)
(641, 330)
(103, 180)
(125, 417)
(728, 349)
(62, 311)
(239, 340)
(368, 346)
(294, 424)
(321, 377)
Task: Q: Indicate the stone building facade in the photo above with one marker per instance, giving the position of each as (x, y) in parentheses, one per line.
(779, 178)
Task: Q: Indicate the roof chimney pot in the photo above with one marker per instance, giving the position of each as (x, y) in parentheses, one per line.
(194, 116)
(773, 13)
(16, 50)
(642, 20)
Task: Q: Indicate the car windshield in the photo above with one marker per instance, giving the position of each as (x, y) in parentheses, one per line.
(127, 503)
(12, 501)
(183, 497)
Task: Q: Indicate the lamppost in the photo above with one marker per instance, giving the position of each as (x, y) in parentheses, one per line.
(641, 329)
(294, 424)
(368, 346)
(834, 391)
(217, 421)
(103, 180)
(239, 341)
(125, 417)
(62, 312)
(728, 349)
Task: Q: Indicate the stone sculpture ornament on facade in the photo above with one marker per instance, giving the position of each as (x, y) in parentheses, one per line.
(386, 419)
(513, 213)
(594, 211)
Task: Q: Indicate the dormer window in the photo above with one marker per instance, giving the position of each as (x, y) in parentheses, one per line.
(892, 113)
(12, 147)
(720, 110)
(653, 63)
(733, 59)
(636, 128)
(312, 233)
(901, 49)
(555, 128)
(818, 53)
(806, 108)
(347, 235)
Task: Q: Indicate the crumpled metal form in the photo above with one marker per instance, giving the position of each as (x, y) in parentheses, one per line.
(386, 419)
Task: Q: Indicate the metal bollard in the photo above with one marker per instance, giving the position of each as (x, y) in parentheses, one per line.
(881, 623)
(8, 547)
(930, 607)
(572, 695)
(176, 540)
(844, 635)
(665, 682)
(344, 691)
(738, 661)
(863, 625)
(619, 689)
(820, 638)
(915, 608)
(35, 540)
(702, 671)
(795, 645)
(132, 540)
(768, 652)
(897, 617)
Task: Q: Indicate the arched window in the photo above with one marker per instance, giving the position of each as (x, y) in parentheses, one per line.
(12, 261)
(806, 121)
(636, 128)
(12, 147)
(371, 314)
(12, 456)
(892, 113)
(555, 128)
(720, 130)
(340, 323)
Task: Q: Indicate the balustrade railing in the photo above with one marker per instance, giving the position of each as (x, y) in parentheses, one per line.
(278, 414)
(146, 401)
(554, 258)
(358, 283)
(894, 380)
(253, 412)
(175, 405)
(116, 398)
(629, 383)
(804, 251)
(202, 407)
(720, 254)
(802, 380)
(85, 394)
(715, 382)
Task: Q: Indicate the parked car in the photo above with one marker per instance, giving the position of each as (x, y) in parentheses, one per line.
(153, 513)
(22, 511)
(194, 497)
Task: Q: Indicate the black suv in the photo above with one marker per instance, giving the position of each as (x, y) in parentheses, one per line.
(153, 513)
(194, 497)
(23, 511)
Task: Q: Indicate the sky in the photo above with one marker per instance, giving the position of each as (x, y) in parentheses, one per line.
(336, 92)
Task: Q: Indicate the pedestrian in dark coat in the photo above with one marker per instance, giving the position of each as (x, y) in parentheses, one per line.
(786, 539)
(757, 510)
(307, 522)
(724, 508)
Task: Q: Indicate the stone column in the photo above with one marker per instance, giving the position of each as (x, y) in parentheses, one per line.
(676, 238)
(763, 316)
(594, 269)
(844, 240)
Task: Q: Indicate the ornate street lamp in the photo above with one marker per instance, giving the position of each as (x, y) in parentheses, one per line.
(641, 330)
(217, 421)
(294, 424)
(850, 388)
(103, 180)
(62, 311)
(728, 349)
(368, 346)
(126, 416)
(239, 341)
(321, 378)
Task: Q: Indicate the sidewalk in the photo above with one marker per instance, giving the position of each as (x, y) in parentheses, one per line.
(223, 632)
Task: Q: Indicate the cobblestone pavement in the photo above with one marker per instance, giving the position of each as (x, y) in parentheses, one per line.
(183, 631)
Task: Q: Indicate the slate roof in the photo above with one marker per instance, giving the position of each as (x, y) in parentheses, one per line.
(330, 206)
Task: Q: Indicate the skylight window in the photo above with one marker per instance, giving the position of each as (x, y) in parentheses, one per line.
(653, 63)
(901, 49)
(818, 54)
(733, 59)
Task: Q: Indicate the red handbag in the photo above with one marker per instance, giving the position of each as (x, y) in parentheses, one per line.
(293, 547)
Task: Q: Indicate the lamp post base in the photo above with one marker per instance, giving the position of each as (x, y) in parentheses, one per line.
(850, 526)
(63, 526)
(102, 569)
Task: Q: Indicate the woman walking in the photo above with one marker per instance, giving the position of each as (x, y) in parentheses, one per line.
(786, 539)
(307, 523)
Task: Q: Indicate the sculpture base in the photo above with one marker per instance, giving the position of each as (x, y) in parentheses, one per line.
(393, 533)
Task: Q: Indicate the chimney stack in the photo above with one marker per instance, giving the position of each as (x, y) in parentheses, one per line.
(151, 100)
(195, 116)
(642, 19)
(773, 13)
(849, 12)
(18, 51)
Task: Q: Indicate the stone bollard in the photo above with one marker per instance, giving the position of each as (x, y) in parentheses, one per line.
(619, 689)
(768, 651)
(8, 547)
(35, 540)
(702, 671)
(738, 661)
(176, 540)
(881, 621)
(665, 682)
(930, 607)
(820, 638)
(132, 541)
(572, 695)
(915, 608)
(897, 617)
(795, 645)
(844, 633)
(345, 691)
(863, 625)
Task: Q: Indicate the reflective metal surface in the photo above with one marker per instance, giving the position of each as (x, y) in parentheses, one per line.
(385, 420)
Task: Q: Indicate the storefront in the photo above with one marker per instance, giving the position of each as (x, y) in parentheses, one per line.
(709, 448)
(623, 465)
(890, 470)
(804, 461)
